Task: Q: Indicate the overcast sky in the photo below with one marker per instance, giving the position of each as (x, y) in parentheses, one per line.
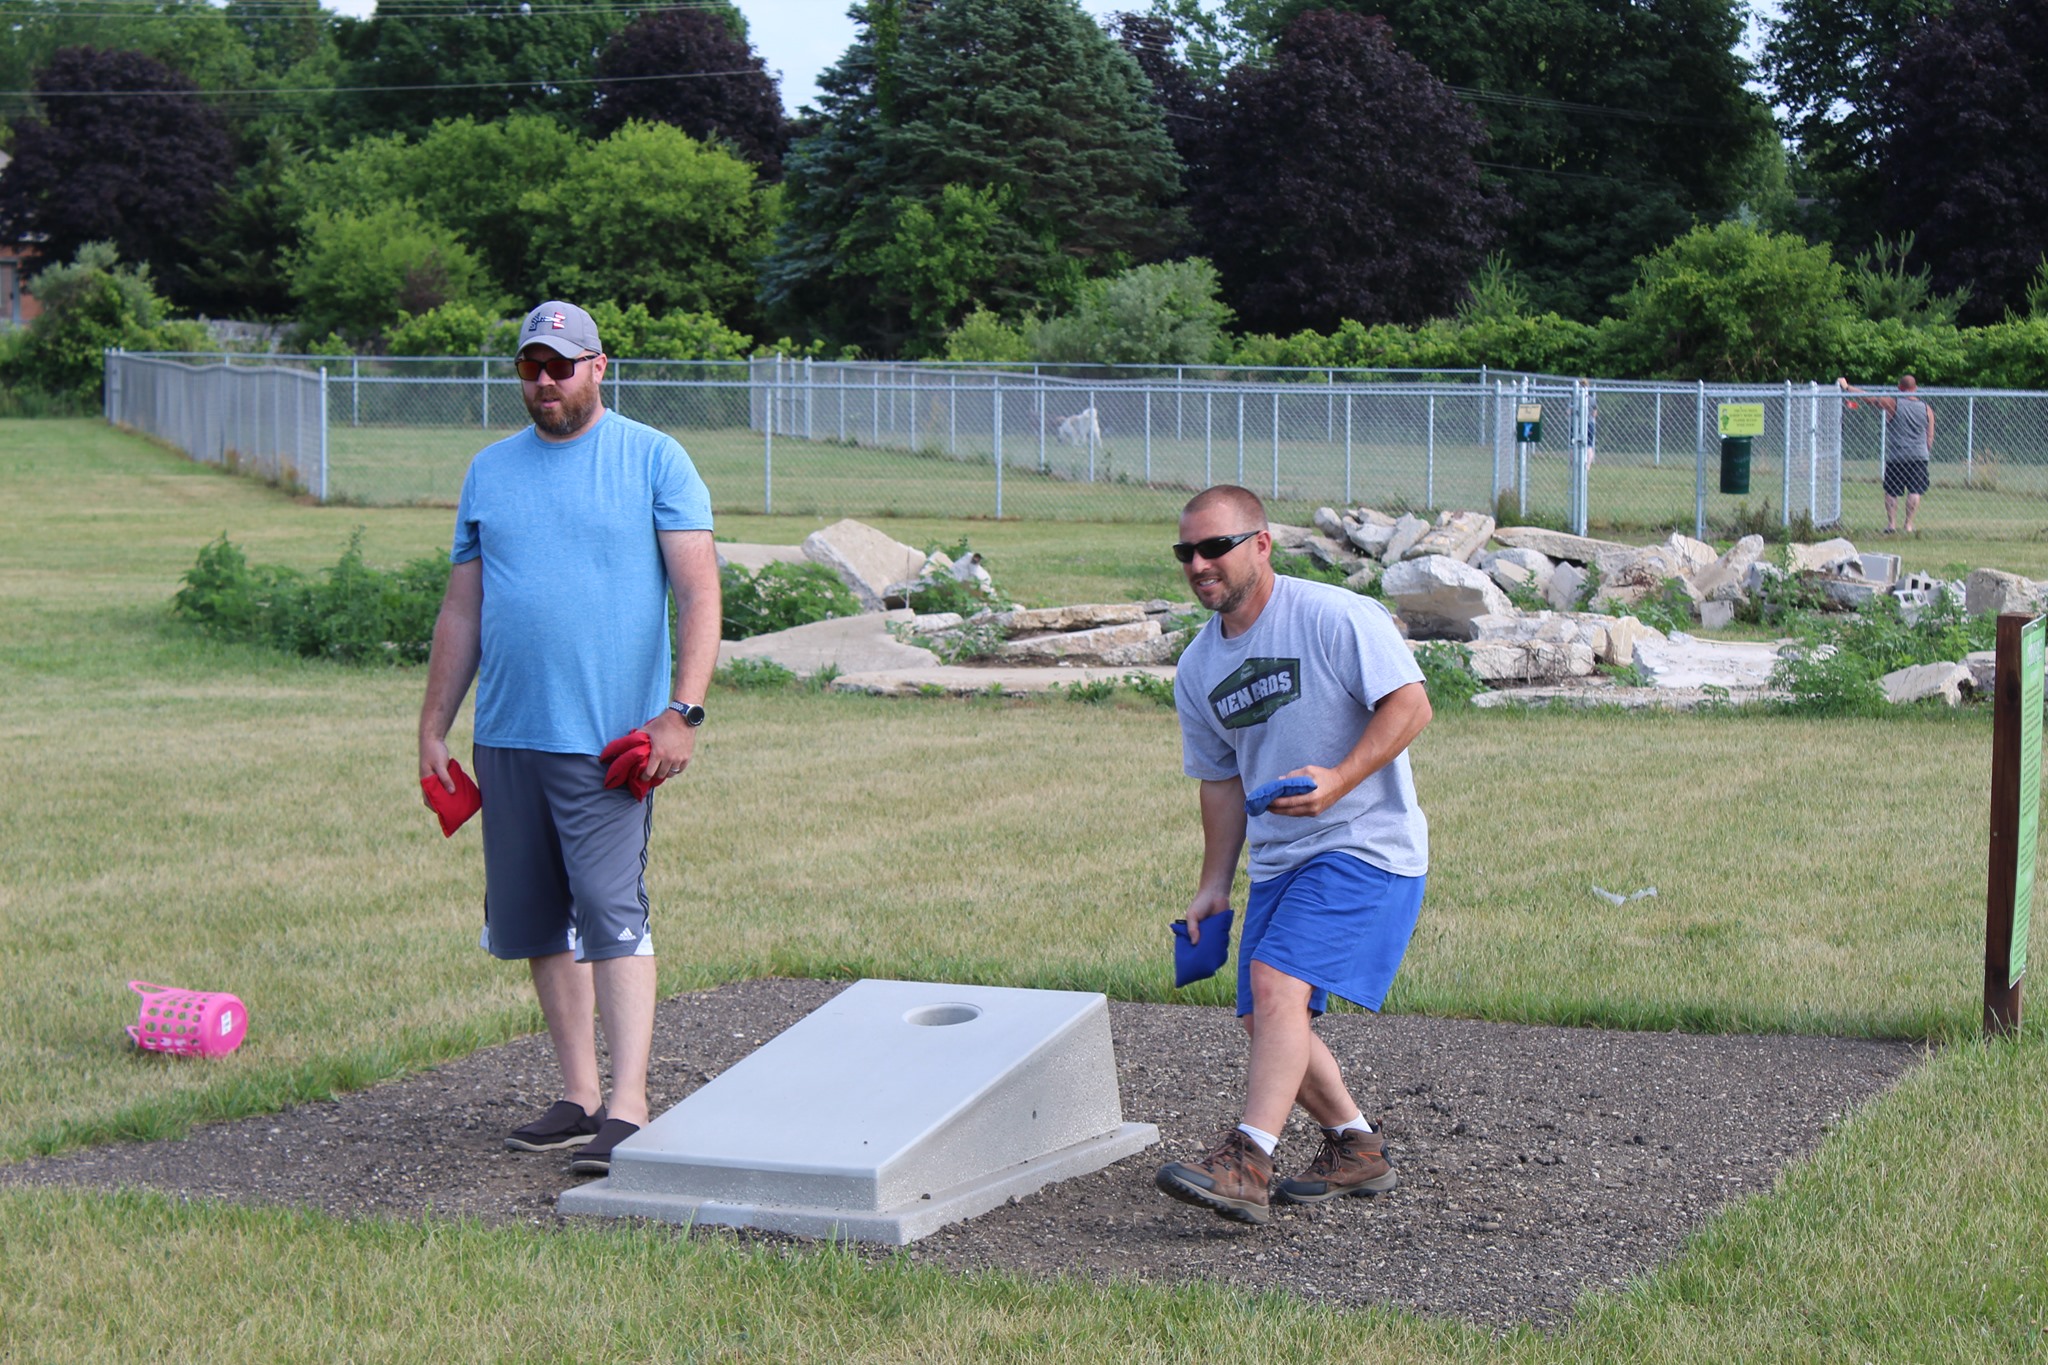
(797, 38)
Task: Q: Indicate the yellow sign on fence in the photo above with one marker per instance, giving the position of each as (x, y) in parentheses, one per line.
(1742, 419)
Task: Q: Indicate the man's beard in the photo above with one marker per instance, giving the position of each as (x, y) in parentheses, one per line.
(569, 418)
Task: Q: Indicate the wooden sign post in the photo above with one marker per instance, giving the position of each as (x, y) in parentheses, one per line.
(2015, 815)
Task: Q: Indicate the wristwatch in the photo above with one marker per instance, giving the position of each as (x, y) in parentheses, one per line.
(692, 714)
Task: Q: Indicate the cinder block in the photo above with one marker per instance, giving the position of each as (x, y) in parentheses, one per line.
(887, 1113)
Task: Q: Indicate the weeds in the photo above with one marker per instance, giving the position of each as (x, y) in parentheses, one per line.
(780, 596)
(753, 675)
(1447, 675)
(350, 613)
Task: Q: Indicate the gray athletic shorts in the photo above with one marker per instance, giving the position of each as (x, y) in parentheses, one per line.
(565, 859)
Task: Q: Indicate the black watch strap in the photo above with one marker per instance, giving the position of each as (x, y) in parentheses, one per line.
(691, 713)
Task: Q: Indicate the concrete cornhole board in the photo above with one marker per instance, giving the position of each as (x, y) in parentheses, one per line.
(887, 1113)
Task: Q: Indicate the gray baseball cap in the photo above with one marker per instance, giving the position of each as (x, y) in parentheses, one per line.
(563, 328)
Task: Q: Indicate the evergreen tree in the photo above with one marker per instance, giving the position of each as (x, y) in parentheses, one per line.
(1343, 184)
(1025, 104)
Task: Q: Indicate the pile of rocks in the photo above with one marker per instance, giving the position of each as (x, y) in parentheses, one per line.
(1102, 635)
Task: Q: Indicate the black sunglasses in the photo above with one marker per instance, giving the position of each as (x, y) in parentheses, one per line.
(1215, 547)
(558, 367)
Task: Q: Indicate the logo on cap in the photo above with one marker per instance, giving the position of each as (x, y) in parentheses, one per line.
(559, 320)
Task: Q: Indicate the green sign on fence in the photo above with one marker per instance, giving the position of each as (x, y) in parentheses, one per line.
(1742, 419)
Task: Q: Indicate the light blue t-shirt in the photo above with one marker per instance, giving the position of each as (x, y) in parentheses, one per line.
(1297, 689)
(575, 608)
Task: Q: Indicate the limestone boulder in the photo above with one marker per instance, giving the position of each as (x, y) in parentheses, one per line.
(1567, 586)
(1993, 591)
(1440, 596)
(865, 559)
(1530, 661)
(1364, 576)
(1946, 680)
(1628, 576)
(1555, 544)
(1288, 537)
(1725, 579)
(1694, 557)
(1407, 531)
(1081, 646)
(1370, 538)
(1036, 620)
(1329, 522)
(1624, 634)
(1983, 666)
(1456, 535)
(1331, 554)
(1816, 557)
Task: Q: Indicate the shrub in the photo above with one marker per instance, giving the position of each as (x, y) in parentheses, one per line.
(90, 305)
(1447, 675)
(360, 274)
(351, 613)
(780, 596)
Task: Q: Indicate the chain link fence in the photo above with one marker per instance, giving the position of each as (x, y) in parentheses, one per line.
(1124, 443)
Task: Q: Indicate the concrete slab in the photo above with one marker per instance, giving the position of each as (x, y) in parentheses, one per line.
(959, 680)
(1685, 661)
(852, 644)
(894, 1109)
(754, 558)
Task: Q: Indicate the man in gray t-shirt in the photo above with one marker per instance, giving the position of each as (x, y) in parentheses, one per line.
(1303, 680)
(1908, 446)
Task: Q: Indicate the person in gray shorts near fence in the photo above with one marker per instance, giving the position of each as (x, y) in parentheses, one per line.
(1908, 447)
(1296, 679)
(570, 538)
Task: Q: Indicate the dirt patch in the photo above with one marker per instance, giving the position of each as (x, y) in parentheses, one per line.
(1536, 1163)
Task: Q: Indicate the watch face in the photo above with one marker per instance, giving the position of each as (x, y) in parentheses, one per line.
(692, 714)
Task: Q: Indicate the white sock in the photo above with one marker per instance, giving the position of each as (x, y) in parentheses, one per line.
(1267, 1142)
(1359, 1124)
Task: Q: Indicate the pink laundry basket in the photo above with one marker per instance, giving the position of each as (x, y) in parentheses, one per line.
(192, 1023)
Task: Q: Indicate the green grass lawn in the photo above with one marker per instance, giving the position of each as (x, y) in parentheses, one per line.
(222, 818)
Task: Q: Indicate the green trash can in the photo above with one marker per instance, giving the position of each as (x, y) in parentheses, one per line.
(1735, 464)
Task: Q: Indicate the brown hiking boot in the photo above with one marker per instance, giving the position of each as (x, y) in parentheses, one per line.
(1231, 1180)
(1350, 1162)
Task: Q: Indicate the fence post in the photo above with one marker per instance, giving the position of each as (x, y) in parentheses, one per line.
(1276, 443)
(875, 401)
(1240, 440)
(484, 390)
(1208, 436)
(997, 399)
(1788, 454)
(321, 493)
(1148, 436)
(1094, 429)
(1347, 448)
(952, 413)
(1657, 433)
(810, 399)
(1429, 476)
(768, 445)
(1970, 443)
(1039, 380)
(1522, 467)
(1699, 463)
(1483, 391)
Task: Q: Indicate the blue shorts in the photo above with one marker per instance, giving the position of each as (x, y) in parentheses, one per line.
(1336, 922)
(565, 858)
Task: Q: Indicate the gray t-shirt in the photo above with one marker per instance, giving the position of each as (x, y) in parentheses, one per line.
(1905, 432)
(1298, 689)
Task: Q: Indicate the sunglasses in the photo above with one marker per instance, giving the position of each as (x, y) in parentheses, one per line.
(1215, 547)
(558, 367)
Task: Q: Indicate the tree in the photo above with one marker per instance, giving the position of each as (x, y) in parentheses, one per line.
(1027, 98)
(417, 61)
(1730, 303)
(1826, 61)
(1343, 183)
(359, 274)
(1161, 314)
(471, 177)
(91, 304)
(1963, 150)
(653, 216)
(194, 37)
(691, 69)
(125, 152)
(1615, 124)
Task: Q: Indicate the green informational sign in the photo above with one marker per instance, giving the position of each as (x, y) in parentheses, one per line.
(1529, 423)
(2033, 663)
(1742, 419)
